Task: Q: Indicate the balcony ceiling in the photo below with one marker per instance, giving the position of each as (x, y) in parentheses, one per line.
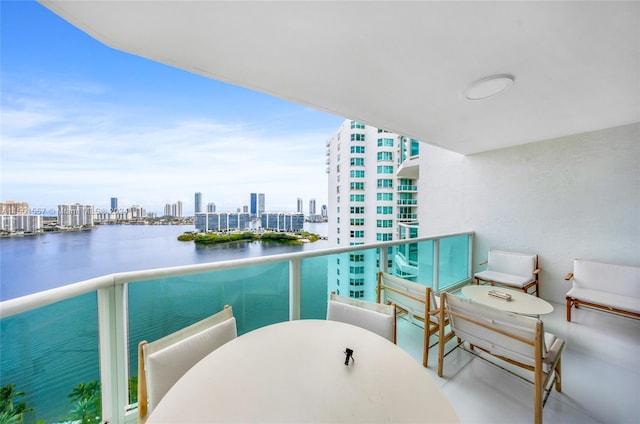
(403, 66)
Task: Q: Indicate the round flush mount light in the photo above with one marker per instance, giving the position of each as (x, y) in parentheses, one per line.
(488, 87)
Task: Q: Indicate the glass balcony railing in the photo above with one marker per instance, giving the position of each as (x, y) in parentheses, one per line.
(408, 188)
(87, 333)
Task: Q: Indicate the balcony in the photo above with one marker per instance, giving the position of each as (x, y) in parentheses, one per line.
(407, 188)
(89, 331)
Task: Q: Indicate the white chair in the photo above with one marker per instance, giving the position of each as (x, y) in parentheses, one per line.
(380, 319)
(517, 339)
(162, 362)
(510, 269)
(417, 301)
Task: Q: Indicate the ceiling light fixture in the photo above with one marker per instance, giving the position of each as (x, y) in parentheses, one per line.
(488, 87)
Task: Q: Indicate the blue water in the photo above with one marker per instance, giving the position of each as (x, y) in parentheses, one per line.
(46, 352)
(35, 263)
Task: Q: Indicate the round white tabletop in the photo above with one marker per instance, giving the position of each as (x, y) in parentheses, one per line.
(520, 303)
(295, 372)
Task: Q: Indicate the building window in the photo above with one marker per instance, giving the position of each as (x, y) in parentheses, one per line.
(385, 156)
(356, 281)
(356, 294)
(356, 186)
(384, 142)
(356, 270)
(359, 137)
(384, 210)
(357, 209)
(357, 234)
(357, 197)
(384, 196)
(358, 222)
(356, 173)
(357, 149)
(356, 257)
(384, 236)
(357, 161)
(385, 169)
(385, 183)
(384, 223)
(356, 124)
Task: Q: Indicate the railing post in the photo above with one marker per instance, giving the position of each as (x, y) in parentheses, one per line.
(384, 259)
(113, 353)
(295, 266)
(436, 266)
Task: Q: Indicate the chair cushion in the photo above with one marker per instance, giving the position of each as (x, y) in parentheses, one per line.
(624, 302)
(167, 365)
(502, 278)
(616, 279)
(511, 263)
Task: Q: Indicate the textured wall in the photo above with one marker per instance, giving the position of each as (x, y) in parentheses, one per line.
(572, 197)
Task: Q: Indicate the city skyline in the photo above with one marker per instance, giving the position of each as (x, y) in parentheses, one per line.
(82, 123)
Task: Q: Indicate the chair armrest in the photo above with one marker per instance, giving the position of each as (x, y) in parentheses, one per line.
(569, 276)
(537, 271)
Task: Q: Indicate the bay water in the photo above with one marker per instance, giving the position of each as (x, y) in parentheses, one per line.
(47, 352)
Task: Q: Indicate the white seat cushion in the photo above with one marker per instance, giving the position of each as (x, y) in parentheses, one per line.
(627, 303)
(377, 322)
(502, 278)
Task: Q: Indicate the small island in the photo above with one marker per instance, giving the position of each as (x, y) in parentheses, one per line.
(217, 238)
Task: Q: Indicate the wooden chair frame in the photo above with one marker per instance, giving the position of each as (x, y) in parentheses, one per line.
(143, 346)
(574, 301)
(429, 311)
(534, 282)
(541, 379)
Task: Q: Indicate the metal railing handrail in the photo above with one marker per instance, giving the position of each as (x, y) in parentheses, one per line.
(36, 300)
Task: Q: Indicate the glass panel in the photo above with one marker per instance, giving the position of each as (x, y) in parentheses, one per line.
(47, 352)
(313, 287)
(413, 261)
(259, 296)
(454, 260)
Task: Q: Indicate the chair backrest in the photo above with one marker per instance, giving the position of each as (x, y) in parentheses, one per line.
(379, 318)
(407, 295)
(512, 263)
(162, 362)
(501, 333)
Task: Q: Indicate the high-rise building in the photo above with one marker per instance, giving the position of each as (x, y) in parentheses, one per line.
(114, 204)
(75, 215)
(222, 221)
(253, 203)
(312, 207)
(282, 221)
(323, 212)
(11, 207)
(197, 202)
(211, 207)
(260, 204)
(28, 223)
(299, 208)
(373, 198)
(173, 210)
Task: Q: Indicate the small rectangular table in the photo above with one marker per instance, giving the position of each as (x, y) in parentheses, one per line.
(520, 303)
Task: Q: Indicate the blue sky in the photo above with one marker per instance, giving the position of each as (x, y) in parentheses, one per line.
(81, 122)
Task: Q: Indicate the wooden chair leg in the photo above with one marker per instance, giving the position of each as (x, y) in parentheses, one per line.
(569, 303)
(558, 376)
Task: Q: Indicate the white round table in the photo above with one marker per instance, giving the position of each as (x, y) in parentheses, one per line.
(520, 303)
(295, 372)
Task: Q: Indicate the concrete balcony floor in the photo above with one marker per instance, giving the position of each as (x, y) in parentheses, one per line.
(600, 374)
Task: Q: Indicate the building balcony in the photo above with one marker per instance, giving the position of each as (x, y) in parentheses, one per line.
(409, 168)
(407, 202)
(407, 188)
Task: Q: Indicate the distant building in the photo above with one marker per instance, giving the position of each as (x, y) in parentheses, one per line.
(211, 207)
(173, 210)
(222, 221)
(23, 222)
(137, 212)
(114, 204)
(324, 212)
(282, 221)
(253, 203)
(299, 208)
(197, 203)
(11, 207)
(260, 204)
(75, 215)
(312, 207)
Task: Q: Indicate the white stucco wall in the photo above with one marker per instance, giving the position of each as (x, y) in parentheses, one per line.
(573, 197)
